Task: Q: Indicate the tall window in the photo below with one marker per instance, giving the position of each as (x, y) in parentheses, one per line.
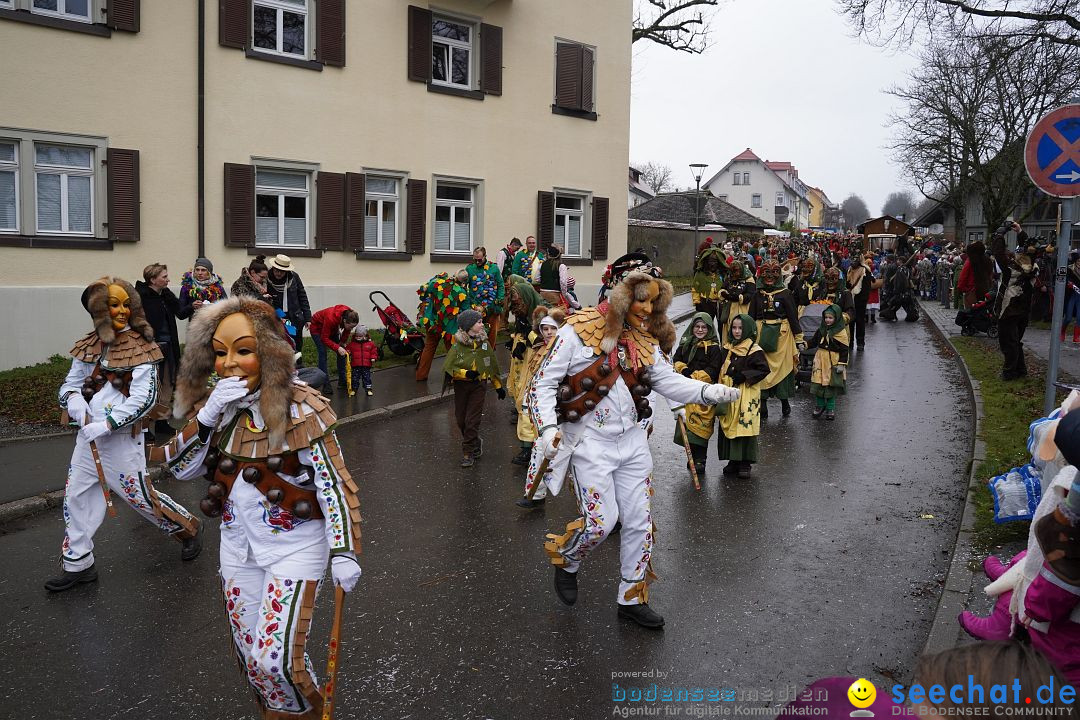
(735, 178)
(451, 52)
(9, 187)
(281, 208)
(68, 9)
(755, 200)
(780, 198)
(746, 178)
(381, 214)
(279, 26)
(63, 180)
(454, 217)
(569, 218)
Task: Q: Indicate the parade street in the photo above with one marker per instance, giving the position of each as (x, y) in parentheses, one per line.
(829, 561)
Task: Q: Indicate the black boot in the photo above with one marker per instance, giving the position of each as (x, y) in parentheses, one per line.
(744, 470)
(192, 546)
(699, 468)
(732, 468)
(522, 458)
(785, 407)
(327, 391)
(643, 615)
(527, 504)
(68, 579)
(764, 409)
(566, 586)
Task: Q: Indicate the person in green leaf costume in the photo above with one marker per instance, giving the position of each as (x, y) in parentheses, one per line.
(486, 289)
(469, 366)
(441, 299)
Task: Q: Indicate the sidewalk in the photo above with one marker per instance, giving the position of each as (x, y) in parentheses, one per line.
(37, 466)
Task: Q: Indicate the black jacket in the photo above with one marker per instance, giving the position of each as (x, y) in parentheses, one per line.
(299, 309)
(162, 311)
(709, 361)
(770, 305)
(748, 369)
(829, 343)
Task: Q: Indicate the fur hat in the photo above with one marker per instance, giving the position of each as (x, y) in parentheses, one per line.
(636, 286)
(95, 298)
(275, 358)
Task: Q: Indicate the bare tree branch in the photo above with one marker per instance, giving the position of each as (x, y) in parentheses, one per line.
(681, 25)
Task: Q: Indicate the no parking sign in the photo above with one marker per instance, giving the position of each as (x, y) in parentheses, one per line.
(1052, 152)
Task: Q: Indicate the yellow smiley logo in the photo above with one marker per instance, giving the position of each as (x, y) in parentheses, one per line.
(862, 693)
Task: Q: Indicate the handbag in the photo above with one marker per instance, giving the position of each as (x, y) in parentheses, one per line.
(769, 336)
(837, 379)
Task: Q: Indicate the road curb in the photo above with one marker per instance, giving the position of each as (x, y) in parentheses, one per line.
(944, 630)
(18, 509)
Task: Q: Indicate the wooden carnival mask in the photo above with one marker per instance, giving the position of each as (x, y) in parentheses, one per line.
(642, 306)
(119, 307)
(236, 350)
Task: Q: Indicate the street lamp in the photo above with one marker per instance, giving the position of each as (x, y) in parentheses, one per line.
(697, 170)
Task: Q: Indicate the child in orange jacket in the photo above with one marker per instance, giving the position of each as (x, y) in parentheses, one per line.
(363, 353)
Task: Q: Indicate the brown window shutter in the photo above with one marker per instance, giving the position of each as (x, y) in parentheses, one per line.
(239, 205)
(355, 211)
(122, 167)
(330, 223)
(588, 101)
(599, 228)
(330, 33)
(491, 59)
(123, 15)
(416, 224)
(419, 44)
(568, 76)
(233, 19)
(545, 219)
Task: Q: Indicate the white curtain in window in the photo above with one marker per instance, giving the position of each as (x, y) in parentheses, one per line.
(296, 231)
(79, 204)
(573, 236)
(266, 231)
(60, 155)
(371, 229)
(442, 228)
(48, 202)
(7, 200)
(462, 230)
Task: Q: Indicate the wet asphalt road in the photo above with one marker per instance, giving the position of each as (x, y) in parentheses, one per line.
(822, 564)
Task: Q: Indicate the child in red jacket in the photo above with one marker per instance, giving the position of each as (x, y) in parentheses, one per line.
(364, 354)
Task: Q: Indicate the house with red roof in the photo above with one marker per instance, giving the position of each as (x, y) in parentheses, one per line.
(764, 188)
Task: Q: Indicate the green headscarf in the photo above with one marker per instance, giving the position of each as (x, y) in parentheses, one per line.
(524, 289)
(749, 329)
(837, 326)
(689, 340)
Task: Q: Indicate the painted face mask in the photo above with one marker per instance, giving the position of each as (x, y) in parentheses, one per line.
(807, 268)
(119, 307)
(770, 273)
(640, 310)
(235, 350)
(735, 273)
(832, 278)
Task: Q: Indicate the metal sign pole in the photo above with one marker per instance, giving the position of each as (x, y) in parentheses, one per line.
(1064, 242)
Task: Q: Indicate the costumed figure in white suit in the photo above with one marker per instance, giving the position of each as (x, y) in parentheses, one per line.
(590, 404)
(109, 391)
(279, 484)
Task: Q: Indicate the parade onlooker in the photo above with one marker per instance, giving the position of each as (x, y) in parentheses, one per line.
(252, 281)
(555, 281)
(331, 328)
(1012, 305)
(699, 357)
(504, 259)
(873, 300)
(828, 379)
(1072, 298)
(976, 274)
(527, 261)
(743, 366)
(486, 290)
(364, 355)
(289, 296)
(200, 286)
(162, 310)
(470, 365)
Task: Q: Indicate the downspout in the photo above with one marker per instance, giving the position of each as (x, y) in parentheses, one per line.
(201, 161)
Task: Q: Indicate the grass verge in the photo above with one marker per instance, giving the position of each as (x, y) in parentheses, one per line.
(681, 283)
(28, 394)
(1008, 409)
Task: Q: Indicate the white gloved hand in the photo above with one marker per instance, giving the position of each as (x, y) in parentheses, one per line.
(680, 412)
(77, 409)
(716, 394)
(227, 390)
(346, 571)
(546, 443)
(94, 430)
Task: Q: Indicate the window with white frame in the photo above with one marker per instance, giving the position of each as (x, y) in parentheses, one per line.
(736, 177)
(282, 203)
(78, 10)
(280, 27)
(569, 221)
(455, 217)
(9, 186)
(452, 52)
(382, 200)
(64, 189)
(755, 200)
(746, 178)
(780, 198)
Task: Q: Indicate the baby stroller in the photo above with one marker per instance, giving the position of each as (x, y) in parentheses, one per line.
(808, 323)
(978, 318)
(400, 335)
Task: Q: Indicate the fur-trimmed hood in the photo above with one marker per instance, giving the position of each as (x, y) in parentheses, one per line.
(277, 365)
(636, 285)
(557, 314)
(95, 298)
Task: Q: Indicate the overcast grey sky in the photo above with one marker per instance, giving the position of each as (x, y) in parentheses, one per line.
(783, 77)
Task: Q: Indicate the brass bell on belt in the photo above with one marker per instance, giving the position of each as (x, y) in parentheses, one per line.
(274, 463)
(573, 416)
(646, 412)
(251, 475)
(227, 466)
(302, 509)
(88, 393)
(216, 490)
(604, 369)
(565, 393)
(603, 391)
(210, 507)
(275, 495)
(639, 390)
(587, 384)
(590, 405)
(117, 382)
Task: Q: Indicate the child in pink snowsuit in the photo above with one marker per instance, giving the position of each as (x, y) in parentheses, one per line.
(1040, 594)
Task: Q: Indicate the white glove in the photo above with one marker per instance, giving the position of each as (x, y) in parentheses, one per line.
(546, 443)
(346, 571)
(716, 394)
(680, 413)
(226, 391)
(94, 430)
(77, 409)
